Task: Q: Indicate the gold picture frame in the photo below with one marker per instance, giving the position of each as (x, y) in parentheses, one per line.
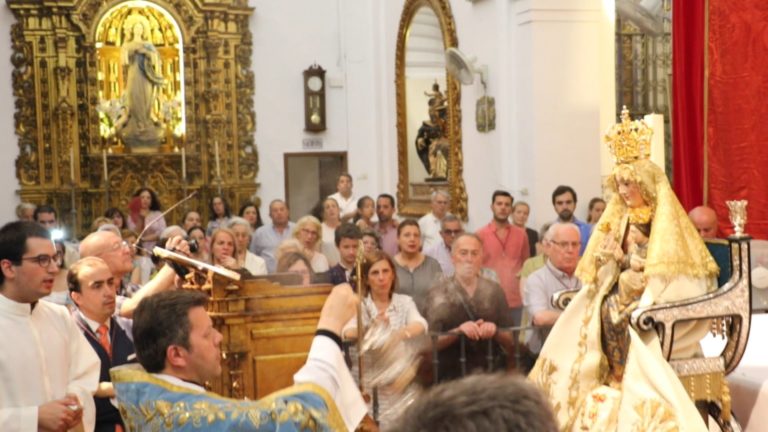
(414, 196)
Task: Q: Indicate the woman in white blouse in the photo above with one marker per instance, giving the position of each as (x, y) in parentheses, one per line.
(307, 232)
(381, 304)
(248, 260)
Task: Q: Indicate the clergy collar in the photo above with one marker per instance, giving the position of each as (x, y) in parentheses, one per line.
(14, 307)
(180, 382)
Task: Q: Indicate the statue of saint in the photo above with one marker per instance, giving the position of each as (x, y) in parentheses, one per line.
(137, 125)
(431, 141)
(598, 371)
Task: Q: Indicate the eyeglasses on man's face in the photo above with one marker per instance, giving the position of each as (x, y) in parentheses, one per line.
(566, 245)
(114, 247)
(453, 233)
(44, 260)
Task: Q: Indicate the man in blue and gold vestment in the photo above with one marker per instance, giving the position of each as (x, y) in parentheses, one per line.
(178, 347)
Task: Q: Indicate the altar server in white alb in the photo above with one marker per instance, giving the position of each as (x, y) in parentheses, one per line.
(47, 369)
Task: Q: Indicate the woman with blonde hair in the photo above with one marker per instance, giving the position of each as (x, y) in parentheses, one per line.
(224, 249)
(296, 262)
(331, 221)
(307, 232)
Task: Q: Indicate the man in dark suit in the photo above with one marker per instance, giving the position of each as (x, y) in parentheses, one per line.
(93, 289)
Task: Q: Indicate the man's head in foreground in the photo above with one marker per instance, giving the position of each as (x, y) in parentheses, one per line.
(174, 335)
(480, 403)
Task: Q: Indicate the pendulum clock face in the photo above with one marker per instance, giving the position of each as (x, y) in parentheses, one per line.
(314, 99)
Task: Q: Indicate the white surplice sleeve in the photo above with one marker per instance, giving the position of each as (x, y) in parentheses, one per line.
(18, 419)
(326, 367)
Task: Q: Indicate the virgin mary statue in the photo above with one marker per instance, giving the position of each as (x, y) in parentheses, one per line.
(598, 372)
(137, 126)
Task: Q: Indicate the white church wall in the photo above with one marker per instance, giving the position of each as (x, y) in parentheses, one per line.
(340, 36)
(559, 106)
(551, 72)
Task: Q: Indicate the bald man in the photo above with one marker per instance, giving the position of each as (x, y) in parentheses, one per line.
(705, 220)
(116, 253)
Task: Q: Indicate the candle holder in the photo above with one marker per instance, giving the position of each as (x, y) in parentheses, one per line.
(105, 164)
(737, 212)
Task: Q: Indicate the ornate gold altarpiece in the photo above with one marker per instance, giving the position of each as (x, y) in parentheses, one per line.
(62, 76)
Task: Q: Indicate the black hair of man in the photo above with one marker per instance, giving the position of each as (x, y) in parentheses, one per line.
(387, 196)
(45, 208)
(480, 403)
(162, 320)
(13, 241)
(344, 174)
(498, 193)
(349, 231)
(561, 190)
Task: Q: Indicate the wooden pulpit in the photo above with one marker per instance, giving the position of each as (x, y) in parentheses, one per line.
(268, 329)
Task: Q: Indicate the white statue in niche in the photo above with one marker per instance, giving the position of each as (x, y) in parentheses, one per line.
(137, 125)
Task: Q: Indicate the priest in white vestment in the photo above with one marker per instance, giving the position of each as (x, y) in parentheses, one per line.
(47, 369)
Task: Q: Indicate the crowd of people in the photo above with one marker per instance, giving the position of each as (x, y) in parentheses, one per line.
(419, 277)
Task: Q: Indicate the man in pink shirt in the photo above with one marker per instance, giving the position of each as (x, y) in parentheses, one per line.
(505, 248)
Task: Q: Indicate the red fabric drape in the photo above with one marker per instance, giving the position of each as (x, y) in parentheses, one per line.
(737, 112)
(688, 101)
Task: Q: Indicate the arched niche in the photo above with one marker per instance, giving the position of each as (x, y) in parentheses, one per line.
(113, 36)
(426, 30)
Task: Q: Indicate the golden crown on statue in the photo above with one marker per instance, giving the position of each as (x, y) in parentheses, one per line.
(629, 140)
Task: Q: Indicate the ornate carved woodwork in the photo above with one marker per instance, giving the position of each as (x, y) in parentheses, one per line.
(57, 85)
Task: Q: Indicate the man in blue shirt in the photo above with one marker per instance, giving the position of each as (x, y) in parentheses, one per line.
(268, 237)
(564, 201)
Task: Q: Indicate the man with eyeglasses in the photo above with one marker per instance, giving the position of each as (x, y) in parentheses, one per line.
(47, 369)
(450, 228)
(430, 223)
(563, 244)
(117, 254)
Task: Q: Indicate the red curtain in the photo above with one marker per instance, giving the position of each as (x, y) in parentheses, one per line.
(688, 101)
(737, 109)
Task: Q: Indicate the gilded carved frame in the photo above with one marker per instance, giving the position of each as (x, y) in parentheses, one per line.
(408, 203)
(56, 94)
